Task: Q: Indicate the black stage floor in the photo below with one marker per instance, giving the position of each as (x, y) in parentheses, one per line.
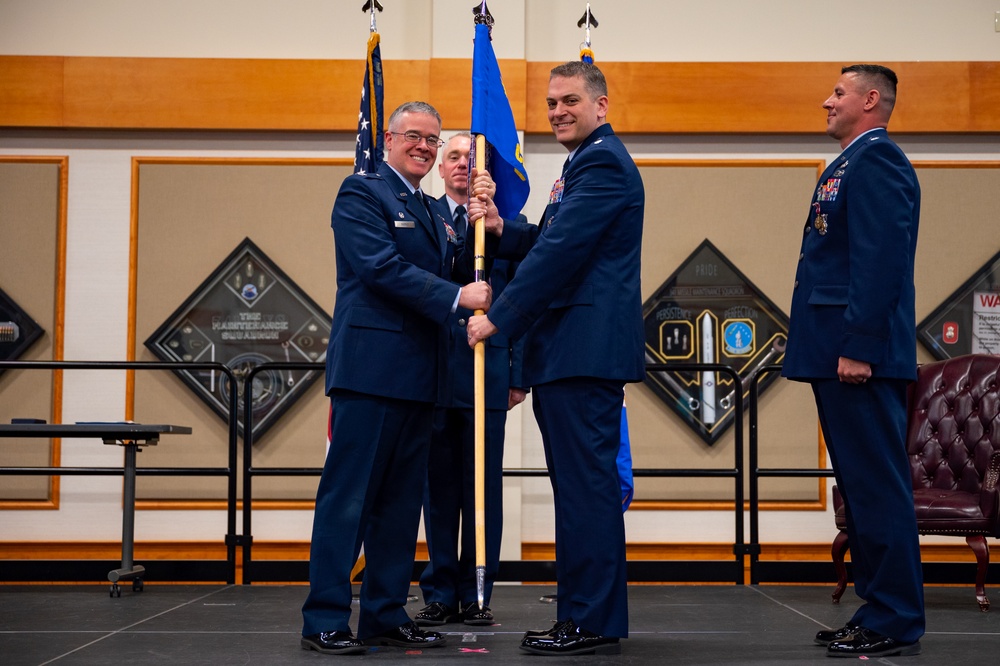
(260, 624)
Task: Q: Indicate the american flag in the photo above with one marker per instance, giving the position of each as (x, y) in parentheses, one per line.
(371, 139)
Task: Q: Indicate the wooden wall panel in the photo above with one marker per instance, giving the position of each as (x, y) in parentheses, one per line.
(31, 92)
(451, 89)
(702, 97)
(763, 97)
(323, 95)
(171, 93)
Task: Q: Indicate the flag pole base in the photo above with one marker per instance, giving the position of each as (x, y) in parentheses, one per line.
(481, 585)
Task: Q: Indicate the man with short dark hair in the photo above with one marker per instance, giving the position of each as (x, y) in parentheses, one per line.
(576, 299)
(852, 336)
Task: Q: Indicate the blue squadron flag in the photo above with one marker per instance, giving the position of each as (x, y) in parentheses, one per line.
(492, 117)
(371, 138)
(624, 459)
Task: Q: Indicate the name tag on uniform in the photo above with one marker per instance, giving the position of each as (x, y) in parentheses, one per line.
(405, 224)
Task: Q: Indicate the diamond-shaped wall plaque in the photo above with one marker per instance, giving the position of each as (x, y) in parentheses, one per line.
(709, 312)
(18, 330)
(968, 321)
(247, 312)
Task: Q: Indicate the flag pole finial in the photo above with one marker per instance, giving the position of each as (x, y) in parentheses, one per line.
(370, 6)
(483, 15)
(589, 20)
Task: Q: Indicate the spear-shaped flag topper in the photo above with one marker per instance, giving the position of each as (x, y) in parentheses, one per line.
(482, 14)
(588, 19)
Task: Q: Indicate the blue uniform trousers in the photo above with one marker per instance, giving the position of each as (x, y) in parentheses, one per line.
(865, 430)
(450, 506)
(370, 491)
(580, 422)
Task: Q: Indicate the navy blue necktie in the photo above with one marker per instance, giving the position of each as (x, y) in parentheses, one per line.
(423, 200)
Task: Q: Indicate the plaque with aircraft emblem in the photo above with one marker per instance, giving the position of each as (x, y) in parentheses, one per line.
(709, 312)
(247, 312)
(968, 321)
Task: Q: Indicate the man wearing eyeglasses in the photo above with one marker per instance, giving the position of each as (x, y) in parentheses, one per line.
(395, 251)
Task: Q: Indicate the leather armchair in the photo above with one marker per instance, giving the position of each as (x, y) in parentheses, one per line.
(953, 442)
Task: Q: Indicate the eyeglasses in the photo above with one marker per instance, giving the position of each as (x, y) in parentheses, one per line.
(415, 137)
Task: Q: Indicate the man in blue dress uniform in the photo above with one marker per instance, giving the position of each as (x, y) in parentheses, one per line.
(395, 251)
(852, 336)
(577, 301)
(449, 582)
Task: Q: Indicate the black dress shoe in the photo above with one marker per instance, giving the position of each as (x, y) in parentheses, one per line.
(434, 614)
(827, 637)
(867, 643)
(476, 616)
(570, 639)
(408, 635)
(333, 642)
(556, 626)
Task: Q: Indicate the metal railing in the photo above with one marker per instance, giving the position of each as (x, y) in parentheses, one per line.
(230, 471)
(521, 570)
(734, 570)
(756, 473)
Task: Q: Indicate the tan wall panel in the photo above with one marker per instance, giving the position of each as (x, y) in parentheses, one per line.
(191, 215)
(752, 211)
(322, 95)
(754, 214)
(32, 217)
(958, 221)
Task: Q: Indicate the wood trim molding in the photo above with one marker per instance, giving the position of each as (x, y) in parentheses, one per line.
(530, 551)
(322, 95)
(544, 551)
(956, 164)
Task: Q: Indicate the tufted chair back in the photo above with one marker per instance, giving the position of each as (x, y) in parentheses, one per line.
(953, 443)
